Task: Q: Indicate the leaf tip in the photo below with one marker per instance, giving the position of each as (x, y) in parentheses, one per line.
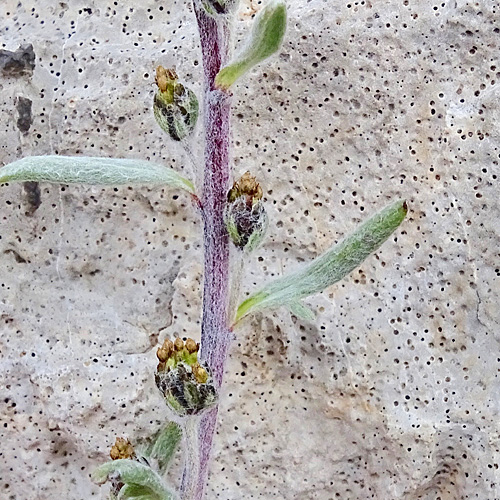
(99, 475)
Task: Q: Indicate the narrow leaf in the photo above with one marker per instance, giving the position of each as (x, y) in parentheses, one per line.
(164, 445)
(130, 471)
(265, 39)
(329, 268)
(301, 311)
(89, 170)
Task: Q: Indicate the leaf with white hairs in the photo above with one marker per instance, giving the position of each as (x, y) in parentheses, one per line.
(163, 446)
(138, 476)
(95, 171)
(265, 39)
(327, 269)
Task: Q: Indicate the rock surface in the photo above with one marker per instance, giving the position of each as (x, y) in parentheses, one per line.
(392, 392)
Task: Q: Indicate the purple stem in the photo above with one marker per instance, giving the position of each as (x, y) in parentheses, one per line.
(215, 334)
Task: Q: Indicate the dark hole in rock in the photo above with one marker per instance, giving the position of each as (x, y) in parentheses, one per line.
(19, 62)
(32, 196)
(25, 118)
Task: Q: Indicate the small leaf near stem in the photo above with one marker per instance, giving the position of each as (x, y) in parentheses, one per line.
(265, 39)
(327, 269)
(95, 171)
(130, 472)
(163, 446)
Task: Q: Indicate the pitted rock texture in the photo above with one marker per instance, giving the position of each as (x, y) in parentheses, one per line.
(392, 392)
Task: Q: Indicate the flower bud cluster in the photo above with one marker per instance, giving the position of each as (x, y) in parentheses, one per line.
(184, 382)
(122, 449)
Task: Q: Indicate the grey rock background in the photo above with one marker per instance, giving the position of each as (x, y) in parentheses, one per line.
(392, 393)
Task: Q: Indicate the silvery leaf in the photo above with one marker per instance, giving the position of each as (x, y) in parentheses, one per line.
(89, 170)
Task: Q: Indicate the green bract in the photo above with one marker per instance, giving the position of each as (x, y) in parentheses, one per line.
(266, 37)
(327, 269)
(136, 477)
(175, 106)
(89, 170)
(246, 224)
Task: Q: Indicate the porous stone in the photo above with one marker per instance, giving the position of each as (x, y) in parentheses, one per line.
(392, 391)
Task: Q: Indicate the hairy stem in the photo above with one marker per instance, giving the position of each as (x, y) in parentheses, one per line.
(214, 332)
(191, 459)
(215, 335)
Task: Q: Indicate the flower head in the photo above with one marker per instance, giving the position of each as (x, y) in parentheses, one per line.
(185, 383)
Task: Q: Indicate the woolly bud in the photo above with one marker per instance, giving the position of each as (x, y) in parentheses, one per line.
(175, 106)
(184, 382)
(217, 7)
(245, 215)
